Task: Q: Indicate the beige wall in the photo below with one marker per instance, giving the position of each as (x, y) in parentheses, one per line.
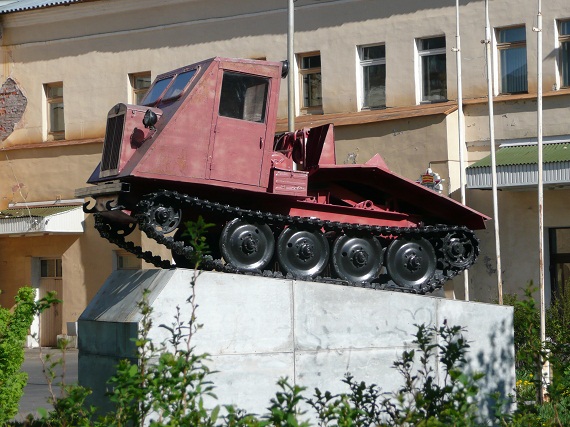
(46, 173)
(515, 119)
(16, 255)
(87, 261)
(518, 225)
(408, 146)
(93, 46)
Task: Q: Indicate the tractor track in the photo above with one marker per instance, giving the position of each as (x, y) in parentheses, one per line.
(437, 235)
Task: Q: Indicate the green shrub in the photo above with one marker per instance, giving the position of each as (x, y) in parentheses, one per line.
(422, 400)
(529, 350)
(14, 329)
(13, 332)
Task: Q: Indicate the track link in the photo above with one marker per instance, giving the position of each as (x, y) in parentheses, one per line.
(437, 235)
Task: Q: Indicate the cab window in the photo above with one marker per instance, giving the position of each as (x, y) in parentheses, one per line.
(243, 97)
(156, 90)
(177, 87)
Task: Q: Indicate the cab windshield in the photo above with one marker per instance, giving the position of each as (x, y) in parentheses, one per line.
(173, 85)
(177, 87)
(155, 91)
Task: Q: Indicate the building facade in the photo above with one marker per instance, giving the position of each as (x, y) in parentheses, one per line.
(383, 72)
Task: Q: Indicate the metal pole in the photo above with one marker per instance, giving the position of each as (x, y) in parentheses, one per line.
(291, 61)
(545, 367)
(489, 58)
(461, 126)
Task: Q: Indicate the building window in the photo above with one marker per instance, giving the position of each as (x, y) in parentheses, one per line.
(127, 261)
(373, 63)
(55, 119)
(559, 261)
(564, 39)
(140, 82)
(432, 73)
(511, 43)
(50, 268)
(311, 87)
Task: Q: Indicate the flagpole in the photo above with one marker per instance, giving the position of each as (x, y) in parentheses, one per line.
(489, 60)
(291, 61)
(461, 127)
(544, 363)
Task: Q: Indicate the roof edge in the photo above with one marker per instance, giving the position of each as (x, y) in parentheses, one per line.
(24, 5)
(370, 116)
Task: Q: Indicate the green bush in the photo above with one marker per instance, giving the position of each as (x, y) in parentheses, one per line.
(422, 400)
(13, 332)
(14, 329)
(529, 350)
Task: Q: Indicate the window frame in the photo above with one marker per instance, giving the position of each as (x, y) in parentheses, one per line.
(137, 94)
(121, 254)
(313, 109)
(503, 46)
(420, 54)
(561, 40)
(363, 63)
(56, 265)
(55, 135)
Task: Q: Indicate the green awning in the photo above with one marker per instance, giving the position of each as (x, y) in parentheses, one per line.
(527, 155)
(517, 167)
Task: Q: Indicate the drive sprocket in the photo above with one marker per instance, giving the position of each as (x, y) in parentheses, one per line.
(460, 250)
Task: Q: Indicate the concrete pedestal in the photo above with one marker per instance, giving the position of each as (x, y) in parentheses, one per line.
(258, 330)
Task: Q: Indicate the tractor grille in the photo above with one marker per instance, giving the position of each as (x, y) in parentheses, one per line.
(113, 139)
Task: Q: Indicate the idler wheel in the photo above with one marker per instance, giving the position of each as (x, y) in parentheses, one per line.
(301, 252)
(247, 246)
(165, 218)
(458, 250)
(411, 262)
(357, 259)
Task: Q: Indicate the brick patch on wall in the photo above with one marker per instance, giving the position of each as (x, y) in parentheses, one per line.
(12, 106)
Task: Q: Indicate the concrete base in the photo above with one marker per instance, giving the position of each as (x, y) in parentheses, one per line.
(258, 330)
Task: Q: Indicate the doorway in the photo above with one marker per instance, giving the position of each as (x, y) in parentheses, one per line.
(559, 261)
(50, 319)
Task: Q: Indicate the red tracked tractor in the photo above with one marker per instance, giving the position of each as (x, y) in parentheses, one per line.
(203, 143)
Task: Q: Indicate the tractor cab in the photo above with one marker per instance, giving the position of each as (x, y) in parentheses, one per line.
(211, 121)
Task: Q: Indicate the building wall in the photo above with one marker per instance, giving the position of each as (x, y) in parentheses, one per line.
(17, 257)
(515, 119)
(518, 225)
(46, 172)
(49, 173)
(403, 145)
(92, 47)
